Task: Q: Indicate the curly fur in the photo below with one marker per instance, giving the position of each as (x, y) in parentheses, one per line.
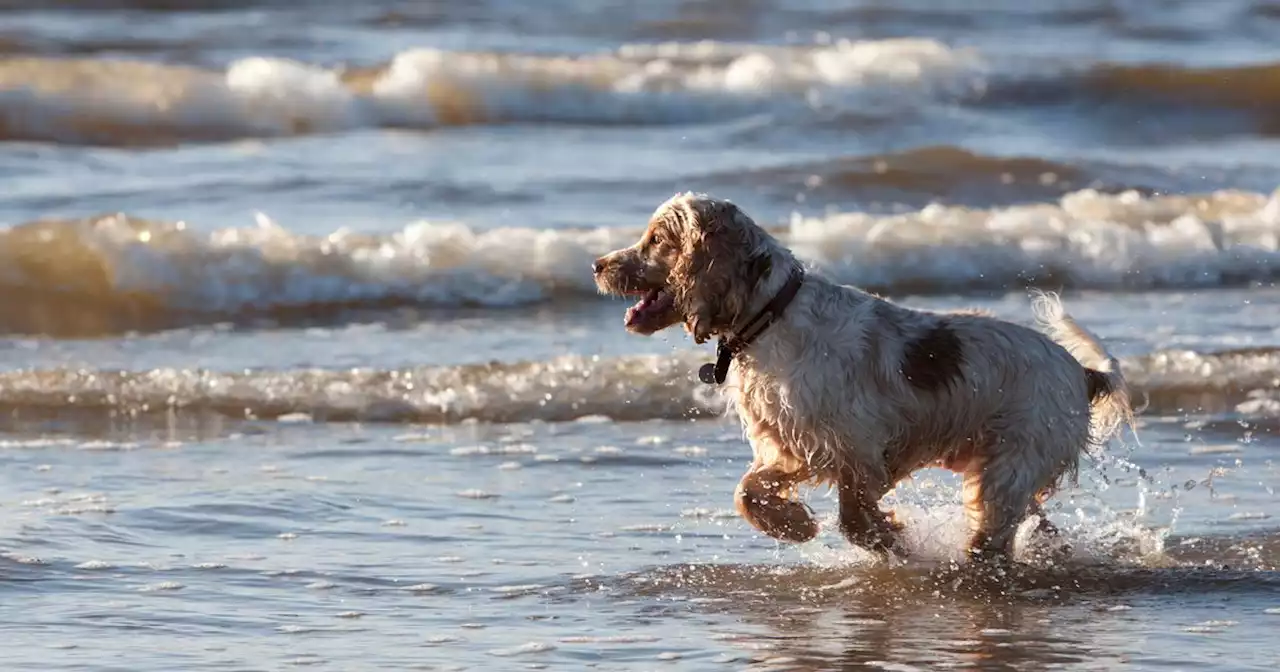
(855, 391)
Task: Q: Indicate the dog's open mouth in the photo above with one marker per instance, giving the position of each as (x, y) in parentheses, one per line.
(654, 311)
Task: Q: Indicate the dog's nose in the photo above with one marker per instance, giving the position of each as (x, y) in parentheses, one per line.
(597, 266)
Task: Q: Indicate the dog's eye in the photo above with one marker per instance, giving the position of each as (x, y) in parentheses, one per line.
(655, 239)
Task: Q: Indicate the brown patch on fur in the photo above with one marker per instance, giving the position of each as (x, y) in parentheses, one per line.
(933, 361)
(1099, 384)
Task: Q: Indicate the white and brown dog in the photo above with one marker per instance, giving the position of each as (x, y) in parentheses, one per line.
(835, 385)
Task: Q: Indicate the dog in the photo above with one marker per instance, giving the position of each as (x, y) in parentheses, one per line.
(837, 386)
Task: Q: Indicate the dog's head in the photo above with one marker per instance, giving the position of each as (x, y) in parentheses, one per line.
(699, 262)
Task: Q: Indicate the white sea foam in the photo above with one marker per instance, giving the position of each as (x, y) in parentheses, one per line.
(639, 387)
(79, 100)
(1086, 240)
(935, 530)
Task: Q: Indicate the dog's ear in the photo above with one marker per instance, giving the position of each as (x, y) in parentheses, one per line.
(759, 266)
(733, 228)
(699, 326)
(716, 280)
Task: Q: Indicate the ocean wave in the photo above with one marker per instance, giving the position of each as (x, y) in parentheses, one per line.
(127, 102)
(137, 102)
(930, 167)
(1243, 381)
(1086, 239)
(1253, 89)
(929, 174)
(112, 274)
(1248, 87)
(566, 388)
(116, 101)
(116, 273)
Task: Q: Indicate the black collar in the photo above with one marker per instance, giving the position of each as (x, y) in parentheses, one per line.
(726, 349)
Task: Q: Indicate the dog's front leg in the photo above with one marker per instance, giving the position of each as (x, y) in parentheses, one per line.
(765, 496)
(765, 499)
(862, 521)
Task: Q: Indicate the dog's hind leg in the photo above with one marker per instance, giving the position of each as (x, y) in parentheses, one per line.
(999, 490)
(1044, 526)
(1047, 540)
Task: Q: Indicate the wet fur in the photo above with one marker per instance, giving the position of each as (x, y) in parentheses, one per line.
(855, 391)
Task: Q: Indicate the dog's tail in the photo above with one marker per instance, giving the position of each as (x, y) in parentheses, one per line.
(1109, 401)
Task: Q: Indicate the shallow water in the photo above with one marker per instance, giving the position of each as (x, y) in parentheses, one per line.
(240, 545)
(302, 365)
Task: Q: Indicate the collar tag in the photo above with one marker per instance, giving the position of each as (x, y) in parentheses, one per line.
(715, 374)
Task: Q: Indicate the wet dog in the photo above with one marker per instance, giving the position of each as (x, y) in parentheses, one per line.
(835, 385)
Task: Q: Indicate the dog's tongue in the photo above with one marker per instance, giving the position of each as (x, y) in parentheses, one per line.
(653, 302)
